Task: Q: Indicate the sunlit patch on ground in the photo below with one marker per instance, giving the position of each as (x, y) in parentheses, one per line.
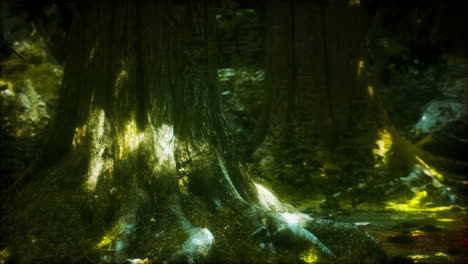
(113, 239)
(199, 243)
(418, 236)
(416, 205)
(446, 220)
(310, 256)
(438, 257)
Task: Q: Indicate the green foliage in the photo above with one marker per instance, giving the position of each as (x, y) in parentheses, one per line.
(299, 160)
(344, 177)
(242, 97)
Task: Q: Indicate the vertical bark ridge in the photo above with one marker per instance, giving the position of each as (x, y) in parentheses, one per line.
(326, 72)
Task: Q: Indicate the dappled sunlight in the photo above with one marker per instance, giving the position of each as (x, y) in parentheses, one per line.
(79, 135)
(360, 68)
(91, 54)
(267, 199)
(120, 81)
(230, 132)
(107, 239)
(429, 170)
(423, 258)
(418, 181)
(383, 146)
(97, 163)
(5, 87)
(121, 77)
(163, 139)
(4, 254)
(131, 139)
(354, 2)
(446, 220)
(115, 238)
(310, 256)
(416, 204)
(225, 172)
(296, 218)
(160, 143)
(31, 48)
(370, 90)
(198, 244)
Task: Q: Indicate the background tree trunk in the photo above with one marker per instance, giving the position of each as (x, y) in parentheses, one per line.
(323, 105)
(314, 51)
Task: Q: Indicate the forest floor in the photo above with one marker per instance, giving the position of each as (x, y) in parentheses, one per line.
(418, 233)
(416, 237)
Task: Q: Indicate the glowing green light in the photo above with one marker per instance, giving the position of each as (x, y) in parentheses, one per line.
(429, 170)
(131, 139)
(7, 84)
(360, 68)
(384, 145)
(418, 257)
(108, 238)
(121, 77)
(370, 89)
(4, 254)
(80, 133)
(414, 205)
(91, 54)
(446, 220)
(310, 256)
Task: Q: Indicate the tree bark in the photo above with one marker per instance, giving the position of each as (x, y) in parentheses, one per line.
(323, 105)
(314, 52)
(139, 121)
(139, 162)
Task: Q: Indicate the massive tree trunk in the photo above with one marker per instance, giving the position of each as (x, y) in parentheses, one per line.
(139, 162)
(323, 123)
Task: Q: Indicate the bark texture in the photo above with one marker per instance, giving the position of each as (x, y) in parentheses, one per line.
(139, 162)
(316, 67)
(139, 125)
(323, 127)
